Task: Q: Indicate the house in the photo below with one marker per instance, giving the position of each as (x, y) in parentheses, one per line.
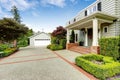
(100, 19)
(40, 39)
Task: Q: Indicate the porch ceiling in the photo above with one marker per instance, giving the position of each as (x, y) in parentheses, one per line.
(87, 21)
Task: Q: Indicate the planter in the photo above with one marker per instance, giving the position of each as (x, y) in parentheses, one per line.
(81, 43)
(71, 41)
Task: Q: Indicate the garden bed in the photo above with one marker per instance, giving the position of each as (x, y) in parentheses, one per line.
(8, 52)
(100, 66)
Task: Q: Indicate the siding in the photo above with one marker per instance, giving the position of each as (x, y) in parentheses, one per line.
(108, 6)
(117, 7)
(111, 7)
(113, 30)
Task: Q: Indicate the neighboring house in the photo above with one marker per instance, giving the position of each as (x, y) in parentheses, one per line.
(40, 39)
(100, 19)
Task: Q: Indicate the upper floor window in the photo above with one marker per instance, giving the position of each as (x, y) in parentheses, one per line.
(69, 22)
(74, 19)
(99, 6)
(94, 8)
(86, 13)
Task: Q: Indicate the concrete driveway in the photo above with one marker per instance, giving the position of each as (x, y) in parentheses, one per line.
(38, 63)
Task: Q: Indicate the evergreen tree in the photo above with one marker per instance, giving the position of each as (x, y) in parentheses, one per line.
(72, 37)
(15, 13)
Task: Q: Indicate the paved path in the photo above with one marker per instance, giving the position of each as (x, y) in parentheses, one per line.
(39, 63)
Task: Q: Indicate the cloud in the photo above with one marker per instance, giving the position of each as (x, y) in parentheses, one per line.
(59, 3)
(35, 14)
(21, 4)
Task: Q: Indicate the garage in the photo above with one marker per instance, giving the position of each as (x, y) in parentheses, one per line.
(41, 42)
(40, 39)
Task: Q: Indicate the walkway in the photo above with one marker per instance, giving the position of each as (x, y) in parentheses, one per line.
(39, 63)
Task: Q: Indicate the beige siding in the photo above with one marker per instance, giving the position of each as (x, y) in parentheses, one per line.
(118, 7)
(117, 28)
(113, 30)
(108, 6)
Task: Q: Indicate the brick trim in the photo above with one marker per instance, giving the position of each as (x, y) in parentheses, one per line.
(69, 45)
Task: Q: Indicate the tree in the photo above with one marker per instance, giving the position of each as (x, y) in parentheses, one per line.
(10, 29)
(23, 39)
(72, 37)
(15, 13)
(60, 33)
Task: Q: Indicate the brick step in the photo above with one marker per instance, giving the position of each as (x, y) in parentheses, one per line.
(80, 49)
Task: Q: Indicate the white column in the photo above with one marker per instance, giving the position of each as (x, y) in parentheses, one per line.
(86, 37)
(68, 36)
(95, 32)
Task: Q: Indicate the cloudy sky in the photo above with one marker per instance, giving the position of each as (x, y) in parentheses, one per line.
(44, 14)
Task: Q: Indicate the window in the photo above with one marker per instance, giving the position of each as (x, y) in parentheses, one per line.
(90, 10)
(105, 29)
(94, 8)
(69, 22)
(76, 37)
(86, 13)
(99, 6)
(74, 19)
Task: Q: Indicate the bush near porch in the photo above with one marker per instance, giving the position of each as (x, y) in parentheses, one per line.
(110, 47)
(58, 39)
(100, 66)
(57, 45)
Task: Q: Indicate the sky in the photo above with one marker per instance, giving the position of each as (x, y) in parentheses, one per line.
(44, 15)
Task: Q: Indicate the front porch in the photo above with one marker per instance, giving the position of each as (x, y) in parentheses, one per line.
(89, 31)
(83, 49)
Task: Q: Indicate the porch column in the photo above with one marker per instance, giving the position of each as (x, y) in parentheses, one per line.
(86, 37)
(95, 32)
(68, 36)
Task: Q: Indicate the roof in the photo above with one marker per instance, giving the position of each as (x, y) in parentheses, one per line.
(39, 34)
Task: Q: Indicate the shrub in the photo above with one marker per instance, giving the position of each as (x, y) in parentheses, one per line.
(3, 46)
(63, 43)
(54, 40)
(110, 47)
(55, 47)
(9, 51)
(102, 71)
(72, 37)
(48, 46)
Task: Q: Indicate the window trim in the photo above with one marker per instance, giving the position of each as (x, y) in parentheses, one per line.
(99, 6)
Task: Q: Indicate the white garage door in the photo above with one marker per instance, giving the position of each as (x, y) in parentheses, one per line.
(41, 42)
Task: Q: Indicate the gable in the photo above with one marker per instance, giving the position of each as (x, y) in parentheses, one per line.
(41, 36)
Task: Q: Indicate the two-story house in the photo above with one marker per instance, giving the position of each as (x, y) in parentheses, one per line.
(100, 19)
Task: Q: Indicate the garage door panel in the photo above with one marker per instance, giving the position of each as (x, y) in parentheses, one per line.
(41, 42)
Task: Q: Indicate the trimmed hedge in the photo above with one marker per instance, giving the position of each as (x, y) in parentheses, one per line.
(55, 47)
(110, 47)
(102, 71)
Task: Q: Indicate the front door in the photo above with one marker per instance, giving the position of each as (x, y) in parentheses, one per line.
(90, 36)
